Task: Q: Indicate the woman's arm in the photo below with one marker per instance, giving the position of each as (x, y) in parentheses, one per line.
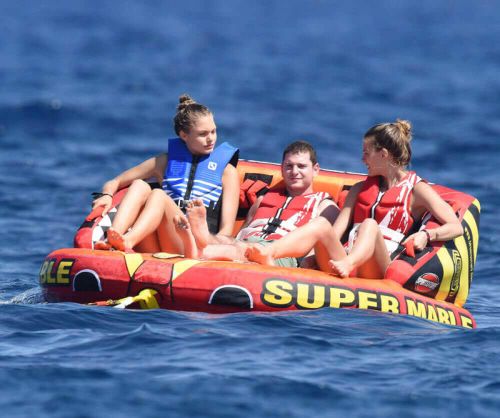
(426, 198)
(152, 167)
(230, 199)
(344, 220)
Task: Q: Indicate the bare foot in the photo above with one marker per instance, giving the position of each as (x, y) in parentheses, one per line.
(197, 215)
(183, 228)
(116, 240)
(101, 245)
(260, 254)
(341, 268)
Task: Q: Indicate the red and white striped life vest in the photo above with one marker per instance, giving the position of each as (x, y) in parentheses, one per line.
(391, 209)
(279, 214)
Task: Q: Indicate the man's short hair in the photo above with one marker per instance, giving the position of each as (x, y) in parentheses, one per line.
(297, 147)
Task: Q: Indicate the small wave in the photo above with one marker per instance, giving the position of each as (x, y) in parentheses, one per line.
(30, 296)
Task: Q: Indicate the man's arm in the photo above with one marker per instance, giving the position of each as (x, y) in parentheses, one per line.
(252, 211)
(329, 210)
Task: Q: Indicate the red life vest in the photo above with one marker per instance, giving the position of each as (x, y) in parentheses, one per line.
(391, 209)
(279, 214)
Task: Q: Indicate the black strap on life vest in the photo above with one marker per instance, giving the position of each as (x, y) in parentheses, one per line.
(274, 222)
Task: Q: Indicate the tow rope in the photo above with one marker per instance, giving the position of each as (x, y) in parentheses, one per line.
(146, 299)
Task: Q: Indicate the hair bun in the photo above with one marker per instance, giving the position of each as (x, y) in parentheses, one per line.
(184, 101)
(188, 111)
(404, 127)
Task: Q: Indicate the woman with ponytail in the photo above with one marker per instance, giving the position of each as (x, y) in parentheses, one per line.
(378, 213)
(192, 169)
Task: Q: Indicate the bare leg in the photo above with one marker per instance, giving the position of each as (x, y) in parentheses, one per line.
(229, 252)
(296, 244)
(149, 244)
(197, 215)
(102, 245)
(185, 233)
(341, 268)
(158, 208)
(328, 247)
(169, 239)
(369, 254)
(116, 240)
(132, 203)
(262, 254)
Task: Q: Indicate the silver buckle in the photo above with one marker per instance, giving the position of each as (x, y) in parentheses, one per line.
(182, 203)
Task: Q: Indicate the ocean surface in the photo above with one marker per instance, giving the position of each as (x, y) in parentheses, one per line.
(88, 88)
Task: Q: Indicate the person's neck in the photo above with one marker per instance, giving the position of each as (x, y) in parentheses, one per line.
(295, 193)
(393, 177)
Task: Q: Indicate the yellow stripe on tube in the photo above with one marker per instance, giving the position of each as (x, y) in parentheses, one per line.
(181, 266)
(463, 290)
(477, 205)
(448, 271)
(133, 262)
(471, 222)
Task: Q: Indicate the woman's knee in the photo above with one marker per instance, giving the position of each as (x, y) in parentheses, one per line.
(159, 198)
(369, 224)
(140, 185)
(322, 229)
(158, 194)
(139, 189)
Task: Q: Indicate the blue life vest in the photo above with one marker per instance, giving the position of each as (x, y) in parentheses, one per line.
(189, 176)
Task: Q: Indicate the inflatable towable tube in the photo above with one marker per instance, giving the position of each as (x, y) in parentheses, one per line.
(432, 284)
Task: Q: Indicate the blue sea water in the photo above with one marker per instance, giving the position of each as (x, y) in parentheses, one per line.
(88, 88)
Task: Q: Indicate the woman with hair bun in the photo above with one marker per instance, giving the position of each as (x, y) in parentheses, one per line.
(378, 213)
(192, 169)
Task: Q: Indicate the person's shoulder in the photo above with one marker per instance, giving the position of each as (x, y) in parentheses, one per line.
(230, 170)
(327, 202)
(352, 196)
(423, 190)
(161, 158)
(323, 197)
(422, 186)
(356, 188)
(228, 152)
(160, 162)
(231, 175)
